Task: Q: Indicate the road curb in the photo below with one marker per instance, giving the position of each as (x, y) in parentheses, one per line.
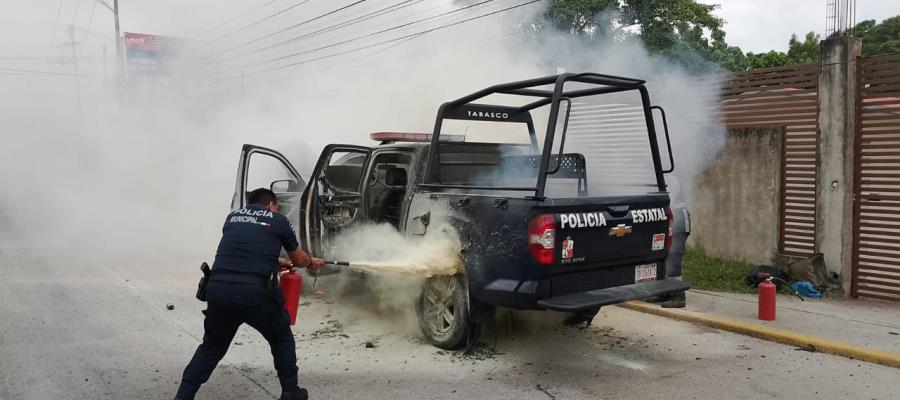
(784, 336)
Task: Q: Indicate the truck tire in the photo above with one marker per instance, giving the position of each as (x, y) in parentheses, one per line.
(443, 312)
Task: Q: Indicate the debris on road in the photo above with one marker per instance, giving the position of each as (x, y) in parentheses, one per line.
(370, 345)
(808, 347)
(544, 390)
(479, 352)
(170, 306)
(332, 328)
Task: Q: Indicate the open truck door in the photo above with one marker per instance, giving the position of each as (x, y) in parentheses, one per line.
(333, 198)
(263, 167)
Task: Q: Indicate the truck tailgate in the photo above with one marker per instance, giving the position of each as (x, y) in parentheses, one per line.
(599, 233)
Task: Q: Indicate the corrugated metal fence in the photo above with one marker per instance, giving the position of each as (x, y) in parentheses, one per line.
(785, 97)
(876, 228)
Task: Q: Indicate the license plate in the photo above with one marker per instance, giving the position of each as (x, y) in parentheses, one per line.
(645, 272)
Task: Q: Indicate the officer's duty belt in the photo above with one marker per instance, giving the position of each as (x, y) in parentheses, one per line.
(238, 278)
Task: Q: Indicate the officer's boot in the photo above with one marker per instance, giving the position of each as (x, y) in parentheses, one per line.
(296, 393)
(582, 318)
(658, 299)
(677, 300)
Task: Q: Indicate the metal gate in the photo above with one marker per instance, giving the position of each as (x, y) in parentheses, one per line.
(876, 227)
(785, 97)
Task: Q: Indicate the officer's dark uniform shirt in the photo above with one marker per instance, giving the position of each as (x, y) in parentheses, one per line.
(252, 238)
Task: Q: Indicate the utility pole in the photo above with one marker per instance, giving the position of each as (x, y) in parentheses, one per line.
(120, 70)
(75, 65)
(120, 59)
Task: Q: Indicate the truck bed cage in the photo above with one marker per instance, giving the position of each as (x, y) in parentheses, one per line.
(464, 108)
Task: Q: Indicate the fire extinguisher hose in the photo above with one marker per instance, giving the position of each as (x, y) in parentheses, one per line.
(788, 284)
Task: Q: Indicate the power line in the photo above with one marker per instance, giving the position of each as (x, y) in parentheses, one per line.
(46, 58)
(476, 42)
(245, 27)
(33, 72)
(362, 37)
(359, 37)
(75, 15)
(56, 24)
(417, 34)
(236, 17)
(343, 24)
(379, 51)
(342, 64)
(365, 17)
(90, 21)
(283, 30)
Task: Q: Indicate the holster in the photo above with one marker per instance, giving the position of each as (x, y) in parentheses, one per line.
(274, 289)
(204, 280)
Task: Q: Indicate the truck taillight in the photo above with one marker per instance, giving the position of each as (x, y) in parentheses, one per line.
(542, 238)
(671, 218)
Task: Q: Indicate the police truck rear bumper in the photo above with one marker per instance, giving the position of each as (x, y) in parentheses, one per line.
(614, 295)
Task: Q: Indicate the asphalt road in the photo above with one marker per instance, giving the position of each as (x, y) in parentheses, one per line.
(99, 329)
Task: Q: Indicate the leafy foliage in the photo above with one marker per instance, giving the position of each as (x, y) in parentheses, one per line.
(677, 29)
(879, 38)
(799, 52)
(688, 33)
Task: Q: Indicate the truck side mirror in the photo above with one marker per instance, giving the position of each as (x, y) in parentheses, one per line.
(281, 186)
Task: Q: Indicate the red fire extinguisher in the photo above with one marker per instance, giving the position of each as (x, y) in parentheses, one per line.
(767, 300)
(291, 284)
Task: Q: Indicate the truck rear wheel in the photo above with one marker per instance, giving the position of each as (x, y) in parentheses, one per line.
(443, 311)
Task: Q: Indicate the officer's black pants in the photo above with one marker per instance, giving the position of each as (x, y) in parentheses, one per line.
(221, 323)
(676, 255)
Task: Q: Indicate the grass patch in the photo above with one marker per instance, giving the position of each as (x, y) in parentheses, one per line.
(709, 273)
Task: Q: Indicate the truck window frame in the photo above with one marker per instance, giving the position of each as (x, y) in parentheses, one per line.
(370, 169)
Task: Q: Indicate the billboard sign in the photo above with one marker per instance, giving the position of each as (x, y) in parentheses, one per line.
(150, 56)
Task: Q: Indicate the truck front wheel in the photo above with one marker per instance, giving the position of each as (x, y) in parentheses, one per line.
(443, 311)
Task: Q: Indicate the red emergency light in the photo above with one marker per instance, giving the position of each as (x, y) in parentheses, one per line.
(413, 137)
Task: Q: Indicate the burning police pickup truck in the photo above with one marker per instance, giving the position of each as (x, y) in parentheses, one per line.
(569, 220)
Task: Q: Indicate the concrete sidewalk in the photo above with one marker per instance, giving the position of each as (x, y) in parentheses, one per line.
(866, 323)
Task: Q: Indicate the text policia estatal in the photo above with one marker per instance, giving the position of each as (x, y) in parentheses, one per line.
(598, 219)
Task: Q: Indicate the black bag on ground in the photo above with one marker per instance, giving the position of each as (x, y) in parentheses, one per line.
(201, 287)
(759, 273)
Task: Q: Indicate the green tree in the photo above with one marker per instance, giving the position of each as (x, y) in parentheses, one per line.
(799, 52)
(685, 31)
(804, 52)
(876, 38)
(768, 59)
(879, 38)
(585, 18)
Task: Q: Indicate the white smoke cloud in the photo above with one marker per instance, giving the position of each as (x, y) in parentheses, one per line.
(152, 170)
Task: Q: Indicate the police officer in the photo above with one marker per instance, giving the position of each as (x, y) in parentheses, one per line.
(242, 289)
(681, 229)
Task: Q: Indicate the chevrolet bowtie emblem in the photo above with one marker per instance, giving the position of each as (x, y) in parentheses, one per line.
(620, 230)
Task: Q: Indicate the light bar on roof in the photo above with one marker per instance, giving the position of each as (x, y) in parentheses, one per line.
(413, 137)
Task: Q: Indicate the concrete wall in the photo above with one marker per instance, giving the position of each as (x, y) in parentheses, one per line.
(736, 203)
(834, 181)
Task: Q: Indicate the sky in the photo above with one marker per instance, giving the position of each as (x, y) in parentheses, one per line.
(763, 25)
(754, 25)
